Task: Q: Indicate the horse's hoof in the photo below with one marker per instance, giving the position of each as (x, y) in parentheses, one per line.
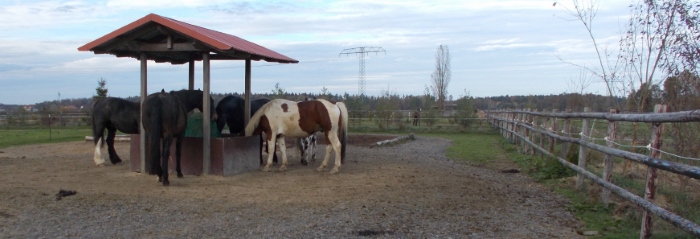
(166, 183)
(304, 162)
(179, 175)
(334, 171)
(319, 169)
(283, 168)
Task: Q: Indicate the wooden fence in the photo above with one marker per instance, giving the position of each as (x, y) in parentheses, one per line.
(521, 126)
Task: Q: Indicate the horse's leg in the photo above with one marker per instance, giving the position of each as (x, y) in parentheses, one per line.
(283, 150)
(113, 157)
(270, 151)
(99, 161)
(329, 149)
(335, 145)
(167, 140)
(312, 147)
(97, 138)
(178, 153)
(262, 149)
(301, 146)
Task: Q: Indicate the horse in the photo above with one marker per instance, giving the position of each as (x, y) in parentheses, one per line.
(165, 116)
(230, 110)
(112, 114)
(279, 118)
(416, 118)
(307, 146)
(307, 149)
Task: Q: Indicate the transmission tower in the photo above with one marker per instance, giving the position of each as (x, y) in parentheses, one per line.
(361, 52)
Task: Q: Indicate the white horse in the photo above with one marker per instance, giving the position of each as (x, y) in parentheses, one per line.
(279, 118)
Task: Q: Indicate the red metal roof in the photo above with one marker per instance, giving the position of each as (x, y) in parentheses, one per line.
(218, 42)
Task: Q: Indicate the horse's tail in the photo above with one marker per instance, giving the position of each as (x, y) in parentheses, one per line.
(154, 135)
(343, 124)
(255, 120)
(94, 123)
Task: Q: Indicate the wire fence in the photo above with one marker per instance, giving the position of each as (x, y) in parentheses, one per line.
(44, 120)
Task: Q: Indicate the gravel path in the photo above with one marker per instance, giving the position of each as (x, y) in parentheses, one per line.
(409, 190)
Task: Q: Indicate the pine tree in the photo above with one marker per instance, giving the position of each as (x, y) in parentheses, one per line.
(101, 90)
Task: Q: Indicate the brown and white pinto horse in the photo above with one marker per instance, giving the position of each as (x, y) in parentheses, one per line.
(279, 118)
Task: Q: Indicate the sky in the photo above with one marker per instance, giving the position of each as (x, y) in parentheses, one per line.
(499, 47)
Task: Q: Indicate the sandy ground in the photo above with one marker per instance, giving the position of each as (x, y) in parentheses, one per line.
(409, 190)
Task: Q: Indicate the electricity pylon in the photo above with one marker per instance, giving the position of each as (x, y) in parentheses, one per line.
(361, 52)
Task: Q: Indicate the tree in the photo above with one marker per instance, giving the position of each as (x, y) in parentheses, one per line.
(465, 110)
(441, 76)
(101, 90)
(278, 92)
(660, 36)
(585, 12)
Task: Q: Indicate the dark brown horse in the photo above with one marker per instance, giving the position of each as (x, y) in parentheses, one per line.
(165, 117)
(112, 114)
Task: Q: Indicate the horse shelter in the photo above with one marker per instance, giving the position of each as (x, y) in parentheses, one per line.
(163, 39)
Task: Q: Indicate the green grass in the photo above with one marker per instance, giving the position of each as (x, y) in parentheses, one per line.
(14, 137)
(616, 221)
(477, 147)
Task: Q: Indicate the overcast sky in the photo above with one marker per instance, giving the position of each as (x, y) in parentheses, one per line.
(499, 47)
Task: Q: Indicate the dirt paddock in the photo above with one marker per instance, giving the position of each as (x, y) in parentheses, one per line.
(409, 190)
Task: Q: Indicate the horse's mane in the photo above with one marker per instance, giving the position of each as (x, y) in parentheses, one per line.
(255, 119)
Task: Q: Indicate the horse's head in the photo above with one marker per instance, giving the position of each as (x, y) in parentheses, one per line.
(192, 99)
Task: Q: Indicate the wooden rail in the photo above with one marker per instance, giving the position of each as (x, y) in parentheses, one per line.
(512, 122)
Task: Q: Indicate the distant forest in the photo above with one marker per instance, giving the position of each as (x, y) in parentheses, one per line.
(560, 102)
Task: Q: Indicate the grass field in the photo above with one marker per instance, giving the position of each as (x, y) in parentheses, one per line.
(14, 137)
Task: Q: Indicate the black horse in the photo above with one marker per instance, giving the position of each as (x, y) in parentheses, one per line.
(230, 110)
(165, 116)
(112, 114)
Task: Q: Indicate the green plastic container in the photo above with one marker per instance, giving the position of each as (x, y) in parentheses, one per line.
(194, 126)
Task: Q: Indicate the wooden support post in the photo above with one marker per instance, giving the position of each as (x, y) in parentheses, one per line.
(582, 151)
(191, 75)
(553, 129)
(650, 192)
(144, 93)
(566, 146)
(246, 114)
(206, 115)
(608, 166)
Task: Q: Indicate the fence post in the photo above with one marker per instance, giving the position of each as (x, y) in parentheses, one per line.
(607, 171)
(554, 130)
(650, 192)
(527, 131)
(543, 127)
(565, 147)
(533, 123)
(512, 128)
(516, 128)
(582, 150)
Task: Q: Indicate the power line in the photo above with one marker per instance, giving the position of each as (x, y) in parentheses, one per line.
(361, 52)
